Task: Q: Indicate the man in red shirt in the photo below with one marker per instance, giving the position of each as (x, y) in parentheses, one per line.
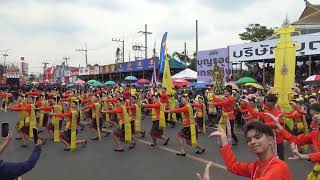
(260, 139)
(303, 139)
(270, 107)
(228, 105)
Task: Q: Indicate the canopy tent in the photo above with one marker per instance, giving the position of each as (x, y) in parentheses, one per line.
(186, 74)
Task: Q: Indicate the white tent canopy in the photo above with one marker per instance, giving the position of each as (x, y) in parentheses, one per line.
(186, 74)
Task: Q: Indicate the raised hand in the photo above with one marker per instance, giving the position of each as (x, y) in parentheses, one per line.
(8, 138)
(296, 154)
(221, 134)
(206, 174)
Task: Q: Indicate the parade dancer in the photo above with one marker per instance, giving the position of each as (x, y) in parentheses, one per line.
(123, 132)
(227, 120)
(69, 136)
(303, 139)
(96, 123)
(158, 120)
(135, 116)
(189, 130)
(27, 123)
(201, 114)
(270, 107)
(260, 139)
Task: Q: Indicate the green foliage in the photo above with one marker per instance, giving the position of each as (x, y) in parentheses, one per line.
(256, 32)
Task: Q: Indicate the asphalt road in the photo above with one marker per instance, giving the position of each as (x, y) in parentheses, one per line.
(99, 161)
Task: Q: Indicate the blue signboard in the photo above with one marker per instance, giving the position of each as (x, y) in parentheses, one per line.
(138, 65)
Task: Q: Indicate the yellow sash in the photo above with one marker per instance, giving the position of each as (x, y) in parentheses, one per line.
(172, 105)
(32, 121)
(127, 125)
(73, 145)
(55, 122)
(41, 115)
(137, 122)
(192, 126)
(6, 102)
(315, 174)
(204, 119)
(162, 121)
(223, 119)
(106, 108)
(22, 116)
(211, 106)
(98, 114)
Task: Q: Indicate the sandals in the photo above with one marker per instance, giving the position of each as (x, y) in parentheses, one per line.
(84, 145)
(181, 154)
(132, 146)
(118, 150)
(107, 134)
(200, 151)
(94, 139)
(166, 143)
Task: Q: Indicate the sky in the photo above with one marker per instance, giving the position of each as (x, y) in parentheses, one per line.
(48, 30)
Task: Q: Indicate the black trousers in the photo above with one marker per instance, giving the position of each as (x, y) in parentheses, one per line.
(280, 151)
(234, 137)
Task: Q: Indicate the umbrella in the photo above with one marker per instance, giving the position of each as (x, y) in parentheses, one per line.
(313, 78)
(143, 81)
(233, 85)
(123, 85)
(255, 85)
(71, 85)
(96, 84)
(130, 78)
(91, 81)
(110, 83)
(180, 82)
(200, 86)
(79, 82)
(136, 84)
(246, 80)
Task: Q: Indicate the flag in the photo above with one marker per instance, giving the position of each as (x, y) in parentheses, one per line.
(166, 78)
(154, 76)
(163, 52)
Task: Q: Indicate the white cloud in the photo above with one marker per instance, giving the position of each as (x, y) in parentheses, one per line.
(53, 29)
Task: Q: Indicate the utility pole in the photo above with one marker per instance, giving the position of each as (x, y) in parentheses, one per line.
(185, 53)
(4, 62)
(146, 33)
(44, 68)
(196, 38)
(66, 59)
(138, 48)
(86, 53)
(122, 41)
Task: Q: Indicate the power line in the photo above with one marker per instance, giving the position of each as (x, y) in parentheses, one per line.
(5, 55)
(45, 63)
(146, 33)
(122, 41)
(86, 53)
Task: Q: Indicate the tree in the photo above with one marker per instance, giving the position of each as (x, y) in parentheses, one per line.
(190, 63)
(185, 59)
(256, 32)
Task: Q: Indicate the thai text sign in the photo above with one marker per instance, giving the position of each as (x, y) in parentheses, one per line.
(210, 60)
(306, 45)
